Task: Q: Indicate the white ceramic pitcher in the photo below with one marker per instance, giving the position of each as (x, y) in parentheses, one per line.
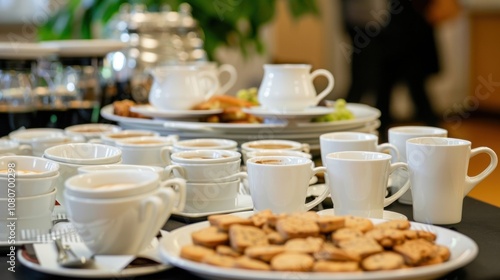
(289, 87)
(178, 87)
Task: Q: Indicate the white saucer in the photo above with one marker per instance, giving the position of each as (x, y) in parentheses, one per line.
(388, 215)
(150, 111)
(242, 203)
(307, 113)
(85, 48)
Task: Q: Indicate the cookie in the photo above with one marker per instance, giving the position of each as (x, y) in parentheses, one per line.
(361, 246)
(328, 224)
(416, 251)
(309, 215)
(292, 262)
(383, 261)
(275, 238)
(219, 260)
(444, 252)
(195, 253)
(309, 245)
(294, 227)
(331, 266)
(363, 224)
(345, 234)
(387, 237)
(226, 251)
(330, 252)
(395, 224)
(210, 237)
(248, 263)
(259, 219)
(264, 253)
(242, 237)
(223, 222)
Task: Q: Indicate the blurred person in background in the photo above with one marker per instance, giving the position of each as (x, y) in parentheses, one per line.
(393, 41)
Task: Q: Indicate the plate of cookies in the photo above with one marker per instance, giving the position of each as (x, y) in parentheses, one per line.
(262, 245)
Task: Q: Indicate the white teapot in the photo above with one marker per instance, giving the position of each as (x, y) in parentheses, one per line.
(179, 87)
(289, 87)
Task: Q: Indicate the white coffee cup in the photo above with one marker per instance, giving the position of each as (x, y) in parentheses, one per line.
(111, 137)
(358, 182)
(179, 87)
(438, 174)
(199, 166)
(289, 87)
(120, 212)
(205, 144)
(273, 145)
(31, 212)
(27, 167)
(280, 183)
(397, 137)
(111, 167)
(146, 150)
(25, 187)
(91, 130)
(9, 147)
(352, 141)
(262, 153)
(41, 139)
(211, 197)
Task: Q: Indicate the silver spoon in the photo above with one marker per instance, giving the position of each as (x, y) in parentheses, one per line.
(67, 258)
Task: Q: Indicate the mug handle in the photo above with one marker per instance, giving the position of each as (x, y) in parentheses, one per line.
(392, 148)
(329, 87)
(231, 71)
(25, 150)
(306, 148)
(171, 194)
(150, 209)
(389, 200)
(165, 154)
(213, 89)
(323, 195)
(471, 182)
(169, 169)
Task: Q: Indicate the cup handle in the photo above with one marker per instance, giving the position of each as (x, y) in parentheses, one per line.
(26, 150)
(211, 91)
(232, 77)
(394, 150)
(323, 195)
(165, 154)
(180, 192)
(306, 148)
(471, 182)
(169, 169)
(151, 207)
(329, 87)
(173, 137)
(389, 200)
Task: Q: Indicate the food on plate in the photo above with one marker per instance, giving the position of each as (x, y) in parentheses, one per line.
(232, 110)
(341, 113)
(249, 95)
(308, 242)
(122, 108)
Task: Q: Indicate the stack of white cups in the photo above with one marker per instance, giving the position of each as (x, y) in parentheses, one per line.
(27, 195)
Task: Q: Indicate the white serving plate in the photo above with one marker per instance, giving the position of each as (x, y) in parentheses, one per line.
(463, 251)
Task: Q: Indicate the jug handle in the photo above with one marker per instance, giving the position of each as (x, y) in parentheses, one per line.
(471, 182)
(231, 71)
(213, 80)
(329, 87)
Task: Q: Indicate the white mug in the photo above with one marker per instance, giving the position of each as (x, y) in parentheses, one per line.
(352, 141)
(41, 139)
(146, 150)
(280, 183)
(211, 197)
(91, 130)
(289, 87)
(179, 88)
(397, 137)
(111, 137)
(358, 182)
(273, 145)
(120, 212)
(438, 174)
(205, 144)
